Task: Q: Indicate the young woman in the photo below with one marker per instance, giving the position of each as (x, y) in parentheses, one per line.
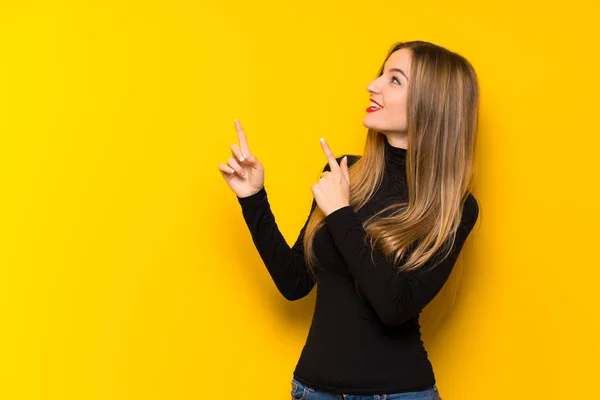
(384, 230)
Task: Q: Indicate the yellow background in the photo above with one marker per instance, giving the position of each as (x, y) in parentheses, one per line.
(127, 271)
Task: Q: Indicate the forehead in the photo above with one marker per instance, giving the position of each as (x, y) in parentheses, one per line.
(399, 59)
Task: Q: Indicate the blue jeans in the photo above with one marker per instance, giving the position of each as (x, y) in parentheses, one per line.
(302, 392)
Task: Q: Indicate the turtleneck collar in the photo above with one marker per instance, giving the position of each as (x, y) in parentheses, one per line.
(395, 157)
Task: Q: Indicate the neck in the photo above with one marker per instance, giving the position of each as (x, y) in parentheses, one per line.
(398, 141)
(395, 158)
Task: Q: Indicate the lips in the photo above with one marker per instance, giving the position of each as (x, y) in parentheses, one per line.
(375, 106)
(376, 103)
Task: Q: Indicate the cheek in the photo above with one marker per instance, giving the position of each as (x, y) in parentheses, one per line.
(397, 105)
(395, 99)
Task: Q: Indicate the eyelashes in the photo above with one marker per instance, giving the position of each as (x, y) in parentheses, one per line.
(395, 79)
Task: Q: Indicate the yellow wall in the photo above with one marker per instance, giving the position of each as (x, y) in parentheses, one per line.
(127, 271)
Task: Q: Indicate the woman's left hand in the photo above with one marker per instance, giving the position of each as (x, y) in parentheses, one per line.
(332, 191)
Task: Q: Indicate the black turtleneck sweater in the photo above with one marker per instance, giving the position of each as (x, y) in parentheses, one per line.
(365, 335)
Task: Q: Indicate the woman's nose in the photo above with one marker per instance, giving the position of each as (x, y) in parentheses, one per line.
(371, 88)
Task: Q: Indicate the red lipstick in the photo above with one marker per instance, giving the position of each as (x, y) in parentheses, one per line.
(373, 109)
(376, 103)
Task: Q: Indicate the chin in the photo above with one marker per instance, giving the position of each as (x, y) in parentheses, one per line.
(369, 124)
(383, 127)
(378, 127)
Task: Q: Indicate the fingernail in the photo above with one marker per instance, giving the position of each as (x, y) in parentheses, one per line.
(322, 139)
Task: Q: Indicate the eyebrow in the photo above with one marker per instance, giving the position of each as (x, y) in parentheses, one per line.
(398, 70)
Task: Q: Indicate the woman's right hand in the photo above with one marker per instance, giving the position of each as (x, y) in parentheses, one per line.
(243, 173)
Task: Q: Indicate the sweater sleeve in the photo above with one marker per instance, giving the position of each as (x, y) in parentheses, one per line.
(285, 264)
(396, 297)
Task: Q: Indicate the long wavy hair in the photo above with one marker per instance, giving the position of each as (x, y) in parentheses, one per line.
(442, 118)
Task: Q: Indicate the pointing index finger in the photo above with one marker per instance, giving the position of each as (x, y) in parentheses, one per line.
(242, 137)
(329, 155)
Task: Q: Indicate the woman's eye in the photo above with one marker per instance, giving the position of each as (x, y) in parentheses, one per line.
(395, 79)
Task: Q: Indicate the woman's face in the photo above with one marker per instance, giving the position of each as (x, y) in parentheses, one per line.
(390, 91)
